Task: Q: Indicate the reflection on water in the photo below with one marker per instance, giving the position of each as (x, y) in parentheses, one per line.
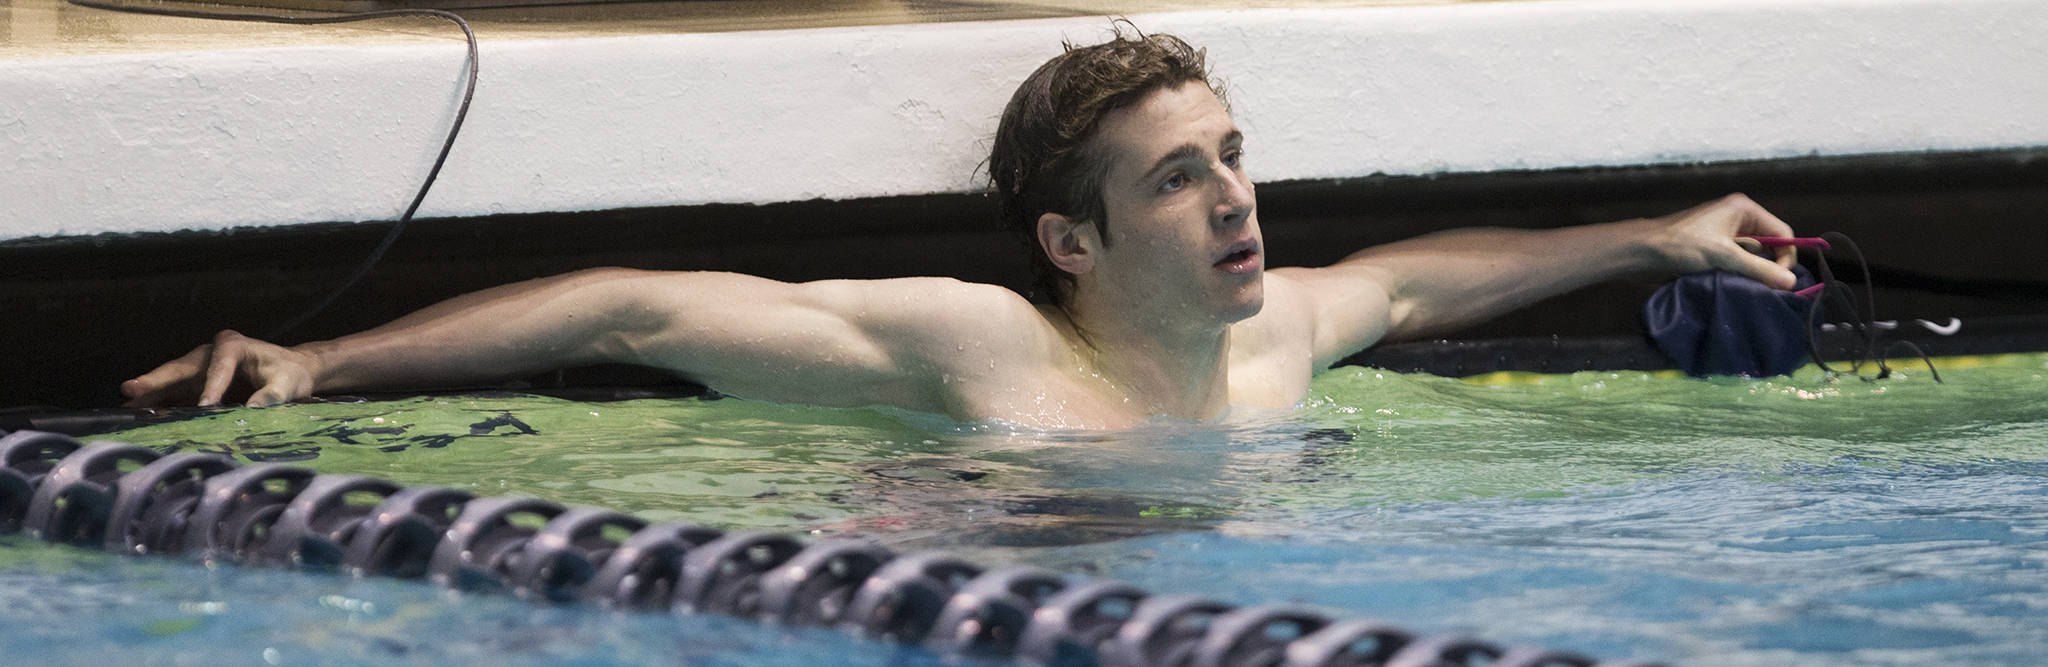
(1727, 521)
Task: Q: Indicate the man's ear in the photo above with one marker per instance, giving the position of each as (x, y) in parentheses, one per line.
(1070, 244)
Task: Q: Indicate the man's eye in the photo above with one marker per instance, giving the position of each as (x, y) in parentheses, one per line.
(1174, 182)
(1233, 158)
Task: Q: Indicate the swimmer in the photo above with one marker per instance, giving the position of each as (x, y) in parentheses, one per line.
(1120, 162)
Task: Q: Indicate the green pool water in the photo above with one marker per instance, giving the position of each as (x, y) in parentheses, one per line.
(1796, 520)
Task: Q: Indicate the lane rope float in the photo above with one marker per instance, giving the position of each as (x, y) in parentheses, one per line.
(209, 507)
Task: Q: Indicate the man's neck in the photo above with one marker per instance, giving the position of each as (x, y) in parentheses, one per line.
(1172, 371)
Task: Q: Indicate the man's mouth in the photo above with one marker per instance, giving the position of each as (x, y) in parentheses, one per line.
(1241, 260)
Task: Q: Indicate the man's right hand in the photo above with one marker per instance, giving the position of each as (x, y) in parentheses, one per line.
(279, 374)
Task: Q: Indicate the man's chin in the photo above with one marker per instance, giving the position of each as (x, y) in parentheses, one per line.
(1248, 301)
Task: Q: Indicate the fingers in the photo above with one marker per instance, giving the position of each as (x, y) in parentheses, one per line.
(173, 378)
(279, 392)
(145, 390)
(142, 395)
(281, 389)
(1784, 255)
(1777, 274)
(228, 349)
(209, 371)
(265, 397)
(1759, 221)
(1752, 219)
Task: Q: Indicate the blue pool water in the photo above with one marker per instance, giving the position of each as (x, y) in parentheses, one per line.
(1726, 522)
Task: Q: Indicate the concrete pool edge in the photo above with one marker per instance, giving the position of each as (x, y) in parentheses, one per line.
(216, 139)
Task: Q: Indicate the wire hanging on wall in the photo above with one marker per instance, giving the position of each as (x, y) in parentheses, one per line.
(448, 144)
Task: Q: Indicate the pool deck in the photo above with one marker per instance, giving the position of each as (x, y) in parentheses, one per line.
(115, 123)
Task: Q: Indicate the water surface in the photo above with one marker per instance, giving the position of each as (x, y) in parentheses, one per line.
(1728, 521)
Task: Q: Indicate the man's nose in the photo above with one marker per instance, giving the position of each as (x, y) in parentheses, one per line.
(1238, 199)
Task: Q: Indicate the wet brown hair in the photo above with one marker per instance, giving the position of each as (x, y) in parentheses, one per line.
(1040, 163)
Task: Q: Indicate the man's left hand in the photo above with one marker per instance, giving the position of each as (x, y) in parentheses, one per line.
(1702, 238)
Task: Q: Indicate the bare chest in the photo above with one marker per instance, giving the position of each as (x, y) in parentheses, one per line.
(1071, 397)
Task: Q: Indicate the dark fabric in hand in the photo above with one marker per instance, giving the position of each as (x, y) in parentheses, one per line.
(1720, 323)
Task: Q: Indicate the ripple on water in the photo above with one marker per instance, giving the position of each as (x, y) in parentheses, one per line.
(1725, 521)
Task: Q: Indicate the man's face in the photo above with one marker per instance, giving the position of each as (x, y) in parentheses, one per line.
(1184, 232)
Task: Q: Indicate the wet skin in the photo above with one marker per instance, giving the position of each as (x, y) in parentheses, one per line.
(1174, 316)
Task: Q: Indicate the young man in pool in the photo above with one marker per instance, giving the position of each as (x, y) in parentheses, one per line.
(1122, 163)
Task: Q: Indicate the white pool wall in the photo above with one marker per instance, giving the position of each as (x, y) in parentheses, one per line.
(273, 136)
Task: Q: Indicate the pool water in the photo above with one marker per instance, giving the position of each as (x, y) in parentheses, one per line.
(1729, 521)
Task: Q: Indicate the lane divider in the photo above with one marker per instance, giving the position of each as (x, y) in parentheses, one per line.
(131, 500)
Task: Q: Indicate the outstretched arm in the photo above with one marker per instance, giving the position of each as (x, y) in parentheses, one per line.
(1438, 282)
(828, 342)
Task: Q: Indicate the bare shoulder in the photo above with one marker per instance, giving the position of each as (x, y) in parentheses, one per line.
(935, 318)
(1334, 311)
(827, 342)
(1308, 286)
(1288, 313)
(940, 303)
(902, 310)
(1272, 353)
(926, 301)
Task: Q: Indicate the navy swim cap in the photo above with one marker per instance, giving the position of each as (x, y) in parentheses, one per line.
(1719, 323)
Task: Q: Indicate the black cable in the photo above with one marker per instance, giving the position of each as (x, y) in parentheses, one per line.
(468, 92)
(1861, 323)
